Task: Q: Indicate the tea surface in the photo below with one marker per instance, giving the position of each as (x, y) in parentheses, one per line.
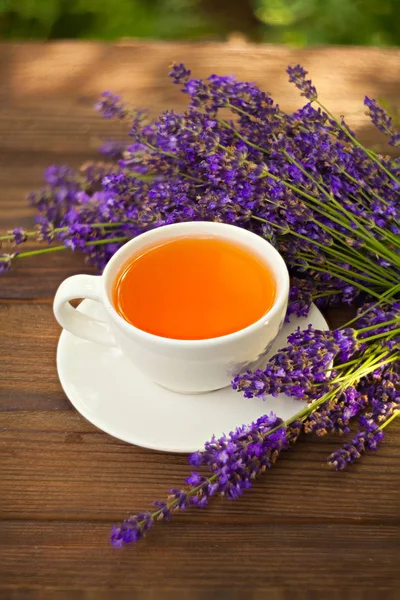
(194, 288)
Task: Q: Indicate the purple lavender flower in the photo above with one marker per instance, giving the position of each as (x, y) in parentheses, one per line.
(300, 299)
(296, 369)
(45, 229)
(131, 530)
(19, 236)
(394, 140)
(234, 461)
(110, 106)
(377, 314)
(382, 392)
(194, 479)
(237, 172)
(59, 175)
(135, 527)
(382, 120)
(76, 236)
(297, 75)
(349, 453)
(347, 343)
(112, 148)
(179, 73)
(333, 416)
(5, 262)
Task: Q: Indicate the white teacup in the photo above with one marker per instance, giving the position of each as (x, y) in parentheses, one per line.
(186, 366)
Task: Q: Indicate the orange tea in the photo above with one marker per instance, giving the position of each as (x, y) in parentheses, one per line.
(194, 288)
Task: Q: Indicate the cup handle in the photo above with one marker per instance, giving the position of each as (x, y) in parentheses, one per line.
(88, 328)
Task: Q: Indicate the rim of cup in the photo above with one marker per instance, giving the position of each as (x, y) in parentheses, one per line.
(121, 257)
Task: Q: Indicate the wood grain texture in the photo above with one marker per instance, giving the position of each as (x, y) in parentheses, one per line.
(68, 76)
(245, 555)
(30, 333)
(67, 455)
(63, 482)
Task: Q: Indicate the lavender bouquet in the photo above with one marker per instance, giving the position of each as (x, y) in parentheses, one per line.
(304, 182)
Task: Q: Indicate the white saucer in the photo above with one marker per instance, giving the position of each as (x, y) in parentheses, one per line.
(110, 393)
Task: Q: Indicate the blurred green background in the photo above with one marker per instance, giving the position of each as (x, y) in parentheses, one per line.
(295, 22)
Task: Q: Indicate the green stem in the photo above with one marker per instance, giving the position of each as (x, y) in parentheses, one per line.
(61, 229)
(381, 335)
(357, 143)
(395, 414)
(326, 249)
(41, 251)
(5, 238)
(385, 296)
(377, 325)
(367, 269)
(367, 235)
(240, 136)
(372, 364)
(328, 212)
(354, 180)
(340, 209)
(338, 268)
(57, 248)
(324, 294)
(343, 365)
(355, 255)
(356, 284)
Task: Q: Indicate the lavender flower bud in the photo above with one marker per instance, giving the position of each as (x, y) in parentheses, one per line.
(19, 236)
(382, 121)
(110, 107)
(297, 75)
(349, 453)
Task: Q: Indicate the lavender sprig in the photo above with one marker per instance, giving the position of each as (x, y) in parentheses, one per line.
(382, 121)
(237, 459)
(234, 460)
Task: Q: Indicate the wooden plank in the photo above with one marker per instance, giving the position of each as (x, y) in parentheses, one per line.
(88, 474)
(63, 482)
(30, 334)
(209, 558)
(38, 277)
(189, 593)
(48, 89)
(29, 376)
(21, 172)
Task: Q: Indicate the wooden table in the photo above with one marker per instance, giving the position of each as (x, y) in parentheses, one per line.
(63, 482)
